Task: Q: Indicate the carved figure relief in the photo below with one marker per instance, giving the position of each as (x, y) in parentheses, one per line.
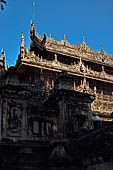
(13, 118)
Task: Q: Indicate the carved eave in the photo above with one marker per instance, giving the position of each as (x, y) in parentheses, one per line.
(38, 42)
(32, 60)
(63, 47)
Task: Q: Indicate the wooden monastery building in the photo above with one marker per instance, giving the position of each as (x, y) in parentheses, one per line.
(56, 107)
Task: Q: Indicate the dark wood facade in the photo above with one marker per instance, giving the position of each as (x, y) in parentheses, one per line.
(48, 107)
(91, 70)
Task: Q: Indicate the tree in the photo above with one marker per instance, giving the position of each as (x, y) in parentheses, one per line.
(2, 2)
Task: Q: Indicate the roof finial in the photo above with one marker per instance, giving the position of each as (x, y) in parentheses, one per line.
(64, 37)
(101, 46)
(33, 11)
(83, 38)
(22, 40)
(2, 51)
(32, 30)
(101, 50)
(49, 35)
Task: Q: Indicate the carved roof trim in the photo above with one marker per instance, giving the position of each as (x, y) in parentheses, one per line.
(33, 60)
(65, 48)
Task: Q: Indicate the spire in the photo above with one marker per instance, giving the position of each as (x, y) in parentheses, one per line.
(22, 40)
(101, 46)
(32, 31)
(33, 11)
(64, 37)
(22, 47)
(2, 51)
(49, 35)
(84, 39)
(83, 42)
(101, 50)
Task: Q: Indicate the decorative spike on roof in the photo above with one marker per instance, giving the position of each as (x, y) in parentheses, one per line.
(22, 40)
(65, 48)
(83, 42)
(2, 51)
(32, 30)
(101, 48)
(83, 38)
(49, 35)
(64, 37)
(33, 11)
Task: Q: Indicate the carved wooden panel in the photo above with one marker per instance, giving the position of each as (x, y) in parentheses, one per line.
(12, 113)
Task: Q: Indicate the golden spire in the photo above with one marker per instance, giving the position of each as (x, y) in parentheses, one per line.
(64, 37)
(33, 10)
(32, 30)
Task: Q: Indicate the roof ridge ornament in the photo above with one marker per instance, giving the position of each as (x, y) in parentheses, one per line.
(102, 50)
(49, 35)
(22, 47)
(22, 40)
(83, 38)
(32, 31)
(33, 11)
(2, 51)
(64, 37)
(83, 42)
(32, 20)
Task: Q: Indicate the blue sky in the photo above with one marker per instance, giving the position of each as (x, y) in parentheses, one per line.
(74, 18)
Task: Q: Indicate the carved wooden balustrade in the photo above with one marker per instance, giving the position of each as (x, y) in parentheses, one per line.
(31, 59)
